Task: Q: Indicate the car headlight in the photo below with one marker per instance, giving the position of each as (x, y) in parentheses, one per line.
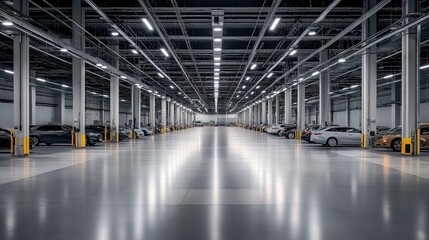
(384, 140)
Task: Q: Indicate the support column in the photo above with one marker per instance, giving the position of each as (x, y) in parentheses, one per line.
(258, 114)
(410, 144)
(177, 124)
(164, 115)
(347, 111)
(172, 113)
(136, 106)
(33, 100)
(264, 112)
(78, 76)
(324, 90)
(300, 120)
(114, 98)
(308, 115)
(270, 111)
(60, 109)
(369, 79)
(277, 109)
(251, 115)
(288, 106)
(395, 105)
(21, 86)
(152, 117)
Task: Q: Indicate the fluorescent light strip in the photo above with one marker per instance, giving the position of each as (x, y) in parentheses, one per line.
(274, 25)
(147, 23)
(164, 52)
(253, 66)
(160, 74)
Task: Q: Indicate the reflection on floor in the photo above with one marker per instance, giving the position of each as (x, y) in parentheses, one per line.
(213, 183)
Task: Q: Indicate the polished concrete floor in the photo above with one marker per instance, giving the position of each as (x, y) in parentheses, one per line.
(213, 183)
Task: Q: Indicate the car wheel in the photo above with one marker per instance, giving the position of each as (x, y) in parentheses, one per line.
(35, 141)
(291, 135)
(332, 142)
(396, 145)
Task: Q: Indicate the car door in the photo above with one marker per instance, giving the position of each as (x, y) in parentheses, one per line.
(340, 135)
(424, 135)
(63, 134)
(353, 136)
(45, 133)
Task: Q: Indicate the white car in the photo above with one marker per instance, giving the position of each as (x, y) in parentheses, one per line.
(276, 129)
(333, 136)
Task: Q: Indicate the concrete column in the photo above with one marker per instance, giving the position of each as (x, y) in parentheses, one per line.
(264, 112)
(410, 144)
(114, 98)
(177, 116)
(102, 111)
(270, 111)
(136, 106)
(277, 109)
(308, 115)
(78, 66)
(347, 111)
(395, 105)
(300, 110)
(288, 106)
(164, 114)
(251, 115)
(60, 109)
(21, 86)
(324, 90)
(152, 116)
(172, 113)
(258, 114)
(369, 79)
(33, 99)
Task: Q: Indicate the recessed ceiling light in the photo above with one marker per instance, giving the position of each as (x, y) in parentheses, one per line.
(217, 69)
(217, 39)
(217, 58)
(244, 87)
(274, 25)
(253, 66)
(270, 75)
(171, 86)
(63, 50)
(164, 52)
(134, 51)
(247, 78)
(216, 78)
(7, 23)
(293, 52)
(99, 65)
(115, 34)
(264, 91)
(312, 33)
(93, 93)
(217, 49)
(180, 93)
(146, 22)
(217, 29)
(341, 60)
(252, 93)
(64, 86)
(103, 67)
(40, 79)
(124, 77)
(217, 64)
(257, 87)
(160, 75)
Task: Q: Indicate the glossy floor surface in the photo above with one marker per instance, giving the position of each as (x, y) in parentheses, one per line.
(213, 183)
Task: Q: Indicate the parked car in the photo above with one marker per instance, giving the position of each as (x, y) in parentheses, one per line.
(334, 136)
(198, 124)
(392, 138)
(100, 129)
(276, 129)
(306, 135)
(4, 139)
(288, 131)
(52, 133)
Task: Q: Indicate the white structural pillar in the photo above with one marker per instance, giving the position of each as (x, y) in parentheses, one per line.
(114, 98)
(300, 120)
(410, 81)
(324, 90)
(264, 112)
(270, 111)
(33, 99)
(60, 109)
(172, 114)
(177, 115)
(369, 79)
(21, 86)
(277, 109)
(395, 105)
(164, 114)
(250, 115)
(288, 105)
(258, 114)
(152, 116)
(347, 111)
(78, 76)
(308, 115)
(136, 104)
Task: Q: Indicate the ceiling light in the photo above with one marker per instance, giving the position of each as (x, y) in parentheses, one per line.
(7, 23)
(216, 74)
(216, 78)
(217, 64)
(331, 92)
(246, 97)
(388, 76)
(217, 49)
(315, 73)
(293, 52)
(63, 50)
(134, 51)
(341, 60)
(247, 78)
(64, 86)
(274, 25)
(106, 96)
(124, 77)
(244, 87)
(217, 69)
(149, 91)
(164, 52)
(301, 79)
(160, 75)
(354, 86)
(238, 96)
(147, 23)
(424, 66)
(93, 93)
(217, 58)
(270, 75)
(252, 93)
(137, 84)
(180, 93)
(99, 65)
(40, 79)
(103, 67)
(253, 66)
(264, 91)
(217, 39)
(115, 34)
(171, 86)
(9, 71)
(155, 91)
(312, 33)
(257, 87)
(122, 100)
(217, 29)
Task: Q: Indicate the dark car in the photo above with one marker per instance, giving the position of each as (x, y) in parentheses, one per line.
(4, 139)
(101, 130)
(288, 131)
(52, 133)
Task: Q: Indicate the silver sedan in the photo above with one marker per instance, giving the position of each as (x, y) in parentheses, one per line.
(333, 136)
